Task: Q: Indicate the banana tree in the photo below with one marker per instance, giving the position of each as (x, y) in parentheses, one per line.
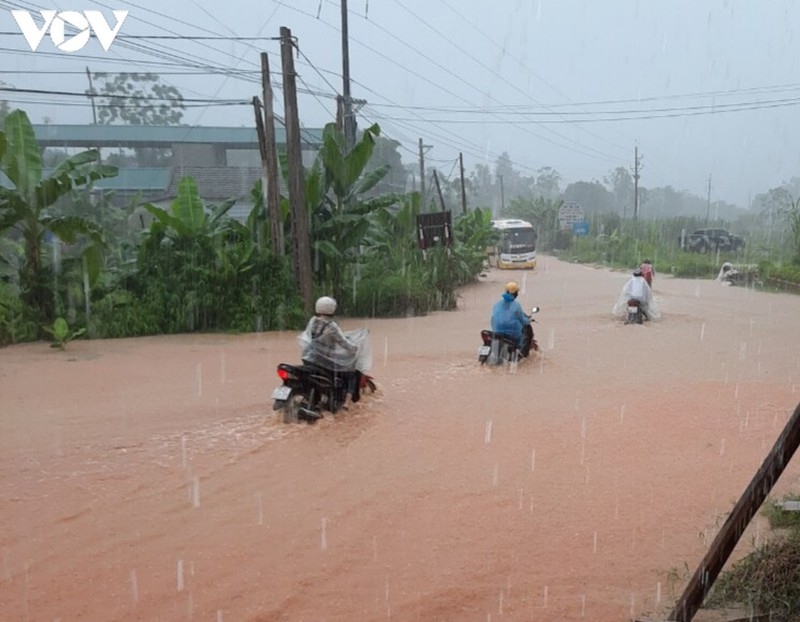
(193, 259)
(339, 215)
(26, 207)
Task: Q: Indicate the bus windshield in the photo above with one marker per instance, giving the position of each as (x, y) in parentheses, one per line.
(517, 240)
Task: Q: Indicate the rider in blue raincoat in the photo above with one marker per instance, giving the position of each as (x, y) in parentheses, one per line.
(508, 318)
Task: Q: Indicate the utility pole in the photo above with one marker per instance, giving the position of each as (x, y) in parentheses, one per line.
(502, 195)
(259, 219)
(349, 117)
(742, 513)
(463, 191)
(422, 150)
(262, 149)
(91, 95)
(273, 195)
(301, 239)
(439, 190)
(708, 201)
(637, 165)
(340, 113)
(422, 172)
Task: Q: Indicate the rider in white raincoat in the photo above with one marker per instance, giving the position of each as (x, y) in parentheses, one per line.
(637, 289)
(346, 353)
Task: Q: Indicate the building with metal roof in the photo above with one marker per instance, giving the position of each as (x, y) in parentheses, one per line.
(133, 136)
(224, 161)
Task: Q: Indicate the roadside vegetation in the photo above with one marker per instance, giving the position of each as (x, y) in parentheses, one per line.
(766, 582)
(70, 252)
(68, 256)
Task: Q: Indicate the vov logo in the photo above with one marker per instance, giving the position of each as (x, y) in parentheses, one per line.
(85, 22)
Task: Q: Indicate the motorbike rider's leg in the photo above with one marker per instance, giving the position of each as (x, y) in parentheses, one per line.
(351, 392)
(526, 342)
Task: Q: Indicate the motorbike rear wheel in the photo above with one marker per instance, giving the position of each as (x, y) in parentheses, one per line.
(288, 409)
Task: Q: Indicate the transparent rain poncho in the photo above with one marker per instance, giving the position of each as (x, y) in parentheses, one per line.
(727, 274)
(323, 343)
(637, 288)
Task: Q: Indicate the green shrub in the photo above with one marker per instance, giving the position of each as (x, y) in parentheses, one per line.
(767, 581)
(121, 314)
(17, 321)
(777, 517)
(389, 295)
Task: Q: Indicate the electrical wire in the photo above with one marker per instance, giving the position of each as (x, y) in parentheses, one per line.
(479, 62)
(596, 154)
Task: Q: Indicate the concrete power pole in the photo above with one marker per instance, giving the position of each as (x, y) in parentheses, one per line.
(637, 166)
(422, 150)
(349, 117)
(422, 173)
(708, 201)
(301, 238)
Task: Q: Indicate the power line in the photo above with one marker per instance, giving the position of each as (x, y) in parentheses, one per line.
(99, 95)
(174, 37)
(51, 72)
(634, 115)
(59, 103)
(597, 153)
(486, 67)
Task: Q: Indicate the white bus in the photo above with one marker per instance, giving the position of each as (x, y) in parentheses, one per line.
(516, 244)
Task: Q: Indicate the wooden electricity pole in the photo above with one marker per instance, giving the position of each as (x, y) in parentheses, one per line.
(349, 118)
(91, 95)
(262, 150)
(733, 528)
(273, 196)
(439, 190)
(301, 238)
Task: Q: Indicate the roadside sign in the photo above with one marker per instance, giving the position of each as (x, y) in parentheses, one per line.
(580, 228)
(568, 214)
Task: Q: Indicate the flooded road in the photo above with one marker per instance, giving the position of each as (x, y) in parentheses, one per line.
(147, 479)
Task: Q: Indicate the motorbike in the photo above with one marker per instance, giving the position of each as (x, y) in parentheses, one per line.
(500, 348)
(307, 390)
(635, 312)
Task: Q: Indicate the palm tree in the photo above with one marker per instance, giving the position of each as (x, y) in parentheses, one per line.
(25, 207)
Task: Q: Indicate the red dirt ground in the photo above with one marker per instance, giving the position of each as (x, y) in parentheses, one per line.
(147, 479)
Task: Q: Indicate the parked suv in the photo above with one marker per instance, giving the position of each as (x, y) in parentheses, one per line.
(710, 240)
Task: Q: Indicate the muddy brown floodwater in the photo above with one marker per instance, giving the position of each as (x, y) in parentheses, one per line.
(147, 479)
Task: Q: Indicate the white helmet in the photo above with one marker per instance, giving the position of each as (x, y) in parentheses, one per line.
(325, 306)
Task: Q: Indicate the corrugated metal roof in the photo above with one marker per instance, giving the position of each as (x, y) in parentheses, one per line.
(137, 179)
(128, 179)
(59, 135)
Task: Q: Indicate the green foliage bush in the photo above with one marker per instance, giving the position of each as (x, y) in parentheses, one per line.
(655, 241)
(17, 320)
(388, 295)
(173, 296)
(788, 273)
(766, 581)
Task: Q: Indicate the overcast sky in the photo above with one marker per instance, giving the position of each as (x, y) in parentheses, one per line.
(704, 88)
